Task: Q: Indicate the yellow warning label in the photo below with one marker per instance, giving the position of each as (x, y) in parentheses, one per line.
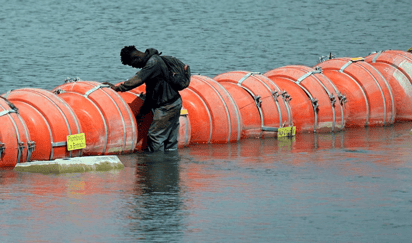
(183, 112)
(286, 131)
(76, 141)
(355, 59)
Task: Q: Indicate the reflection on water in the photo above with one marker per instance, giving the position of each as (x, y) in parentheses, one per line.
(354, 185)
(156, 205)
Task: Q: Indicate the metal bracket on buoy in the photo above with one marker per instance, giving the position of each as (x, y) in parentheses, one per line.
(376, 56)
(95, 88)
(246, 76)
(31, 145)
(14, 109)
(6, 112)
(352, 60)
(59, 91)
(307, 75)
(287, 99)
(59, 144)
(2, 148)
(286, 96)
(325, 58)
(21, 149)
(72, 80)
(342, 99)
(258, 101)
(332, 99)
(315, 103)
(275, 95)
(345, 66)
(270, 129)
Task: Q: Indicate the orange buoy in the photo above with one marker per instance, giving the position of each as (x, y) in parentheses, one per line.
(106, 119)
(396, 68)
(15, 143)
(369, 97)
(135, 98)
(264, 94)
(200, 114)
(251, 126)
(316, 101)
(49, 120)
(214, 116)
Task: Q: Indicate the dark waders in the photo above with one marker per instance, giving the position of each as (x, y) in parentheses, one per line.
(164, 131)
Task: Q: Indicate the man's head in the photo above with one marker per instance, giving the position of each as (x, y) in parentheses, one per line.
(130, 56)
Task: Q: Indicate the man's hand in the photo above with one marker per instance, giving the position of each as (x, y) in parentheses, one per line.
(113, 87)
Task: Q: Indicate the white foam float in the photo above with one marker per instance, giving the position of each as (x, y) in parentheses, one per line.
(72, 165)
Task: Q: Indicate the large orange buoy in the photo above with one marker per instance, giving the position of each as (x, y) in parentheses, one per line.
(200, 115)
(251, 126)
(15, 143)
(49, 120)
(264, 94)
(107, 121)
(396, 67)
(135, 98)
(214, 116)
(369, 97)
(316, 101)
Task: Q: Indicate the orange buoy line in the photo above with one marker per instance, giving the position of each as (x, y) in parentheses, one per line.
(49, 120)
(214, 104)
(322, 96)
(262, 98)
(15, 143)
(369, 97)
(396, 68)
(335, 94)
(107, 121)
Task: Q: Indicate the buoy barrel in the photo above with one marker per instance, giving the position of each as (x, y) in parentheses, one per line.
(336, 94)
(108, 123)
(49, 120)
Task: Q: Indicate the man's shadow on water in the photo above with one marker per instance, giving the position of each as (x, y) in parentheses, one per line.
(157, 206)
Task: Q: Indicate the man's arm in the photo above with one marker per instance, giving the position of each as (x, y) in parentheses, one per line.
(132, 83)
(147, 72)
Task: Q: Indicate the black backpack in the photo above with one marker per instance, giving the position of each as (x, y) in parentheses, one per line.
(178, 78)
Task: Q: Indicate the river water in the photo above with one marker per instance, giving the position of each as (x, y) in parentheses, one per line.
(352, 186)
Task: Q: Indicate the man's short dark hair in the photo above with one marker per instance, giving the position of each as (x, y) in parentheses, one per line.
(126, 54)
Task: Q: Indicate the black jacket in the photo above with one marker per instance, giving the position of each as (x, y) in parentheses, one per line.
(154, 74)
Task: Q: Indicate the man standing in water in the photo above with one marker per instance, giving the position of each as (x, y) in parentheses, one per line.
(164, 101)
